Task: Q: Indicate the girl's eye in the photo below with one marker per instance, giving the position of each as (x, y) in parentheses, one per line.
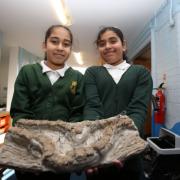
(66, 44)
(101, 44)
(113, 41)
(54, 41)
(110, 41)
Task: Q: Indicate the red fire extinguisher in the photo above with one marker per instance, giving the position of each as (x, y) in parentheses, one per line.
(159, 114)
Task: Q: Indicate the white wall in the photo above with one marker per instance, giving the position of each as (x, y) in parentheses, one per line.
(4, 63)
(12, 74)
(1, 39)
(17, 58)
(163, 31)
(167, 59)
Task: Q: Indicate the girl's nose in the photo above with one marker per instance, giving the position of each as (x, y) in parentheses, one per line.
(108, 45)
(60, 46)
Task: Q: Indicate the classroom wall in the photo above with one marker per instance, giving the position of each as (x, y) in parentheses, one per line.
(163, 31)
(12, 73)
(4, 63)
(17, 58)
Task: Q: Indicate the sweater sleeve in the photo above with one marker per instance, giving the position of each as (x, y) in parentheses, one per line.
(20, 105)
(93, 108)
(137, 108)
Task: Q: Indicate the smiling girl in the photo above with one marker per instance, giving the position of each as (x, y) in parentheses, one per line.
(114, 88)
(50, 89)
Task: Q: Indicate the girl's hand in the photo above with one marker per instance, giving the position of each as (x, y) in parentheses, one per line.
(94, 170)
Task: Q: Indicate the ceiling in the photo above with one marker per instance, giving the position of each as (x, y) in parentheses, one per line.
(24, 22)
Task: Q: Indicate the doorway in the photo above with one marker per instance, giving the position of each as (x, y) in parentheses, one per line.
(144, 58)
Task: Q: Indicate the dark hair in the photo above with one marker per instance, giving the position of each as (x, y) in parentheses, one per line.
(49, 32)
(117, 31)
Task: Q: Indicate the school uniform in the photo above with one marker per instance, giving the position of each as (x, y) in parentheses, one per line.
(44, 94)
(111, 90)
(35, 97)
(106, 98)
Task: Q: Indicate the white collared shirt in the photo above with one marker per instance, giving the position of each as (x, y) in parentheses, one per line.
(117, 71)
(53, 75)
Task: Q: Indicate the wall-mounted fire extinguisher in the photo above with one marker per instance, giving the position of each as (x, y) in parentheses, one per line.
(159, 112)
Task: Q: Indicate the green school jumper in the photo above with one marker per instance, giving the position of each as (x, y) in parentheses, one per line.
(105, 98)
(36, 98)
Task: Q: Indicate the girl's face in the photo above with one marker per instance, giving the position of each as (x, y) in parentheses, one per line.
(111, 48)
(57, 48)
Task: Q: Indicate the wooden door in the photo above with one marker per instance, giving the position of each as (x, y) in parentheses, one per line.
(144, 58)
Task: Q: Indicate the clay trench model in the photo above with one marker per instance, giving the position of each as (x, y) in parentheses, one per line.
(41, 145)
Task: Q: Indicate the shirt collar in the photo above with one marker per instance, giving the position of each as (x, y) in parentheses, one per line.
(122, 66)
(46, 69)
